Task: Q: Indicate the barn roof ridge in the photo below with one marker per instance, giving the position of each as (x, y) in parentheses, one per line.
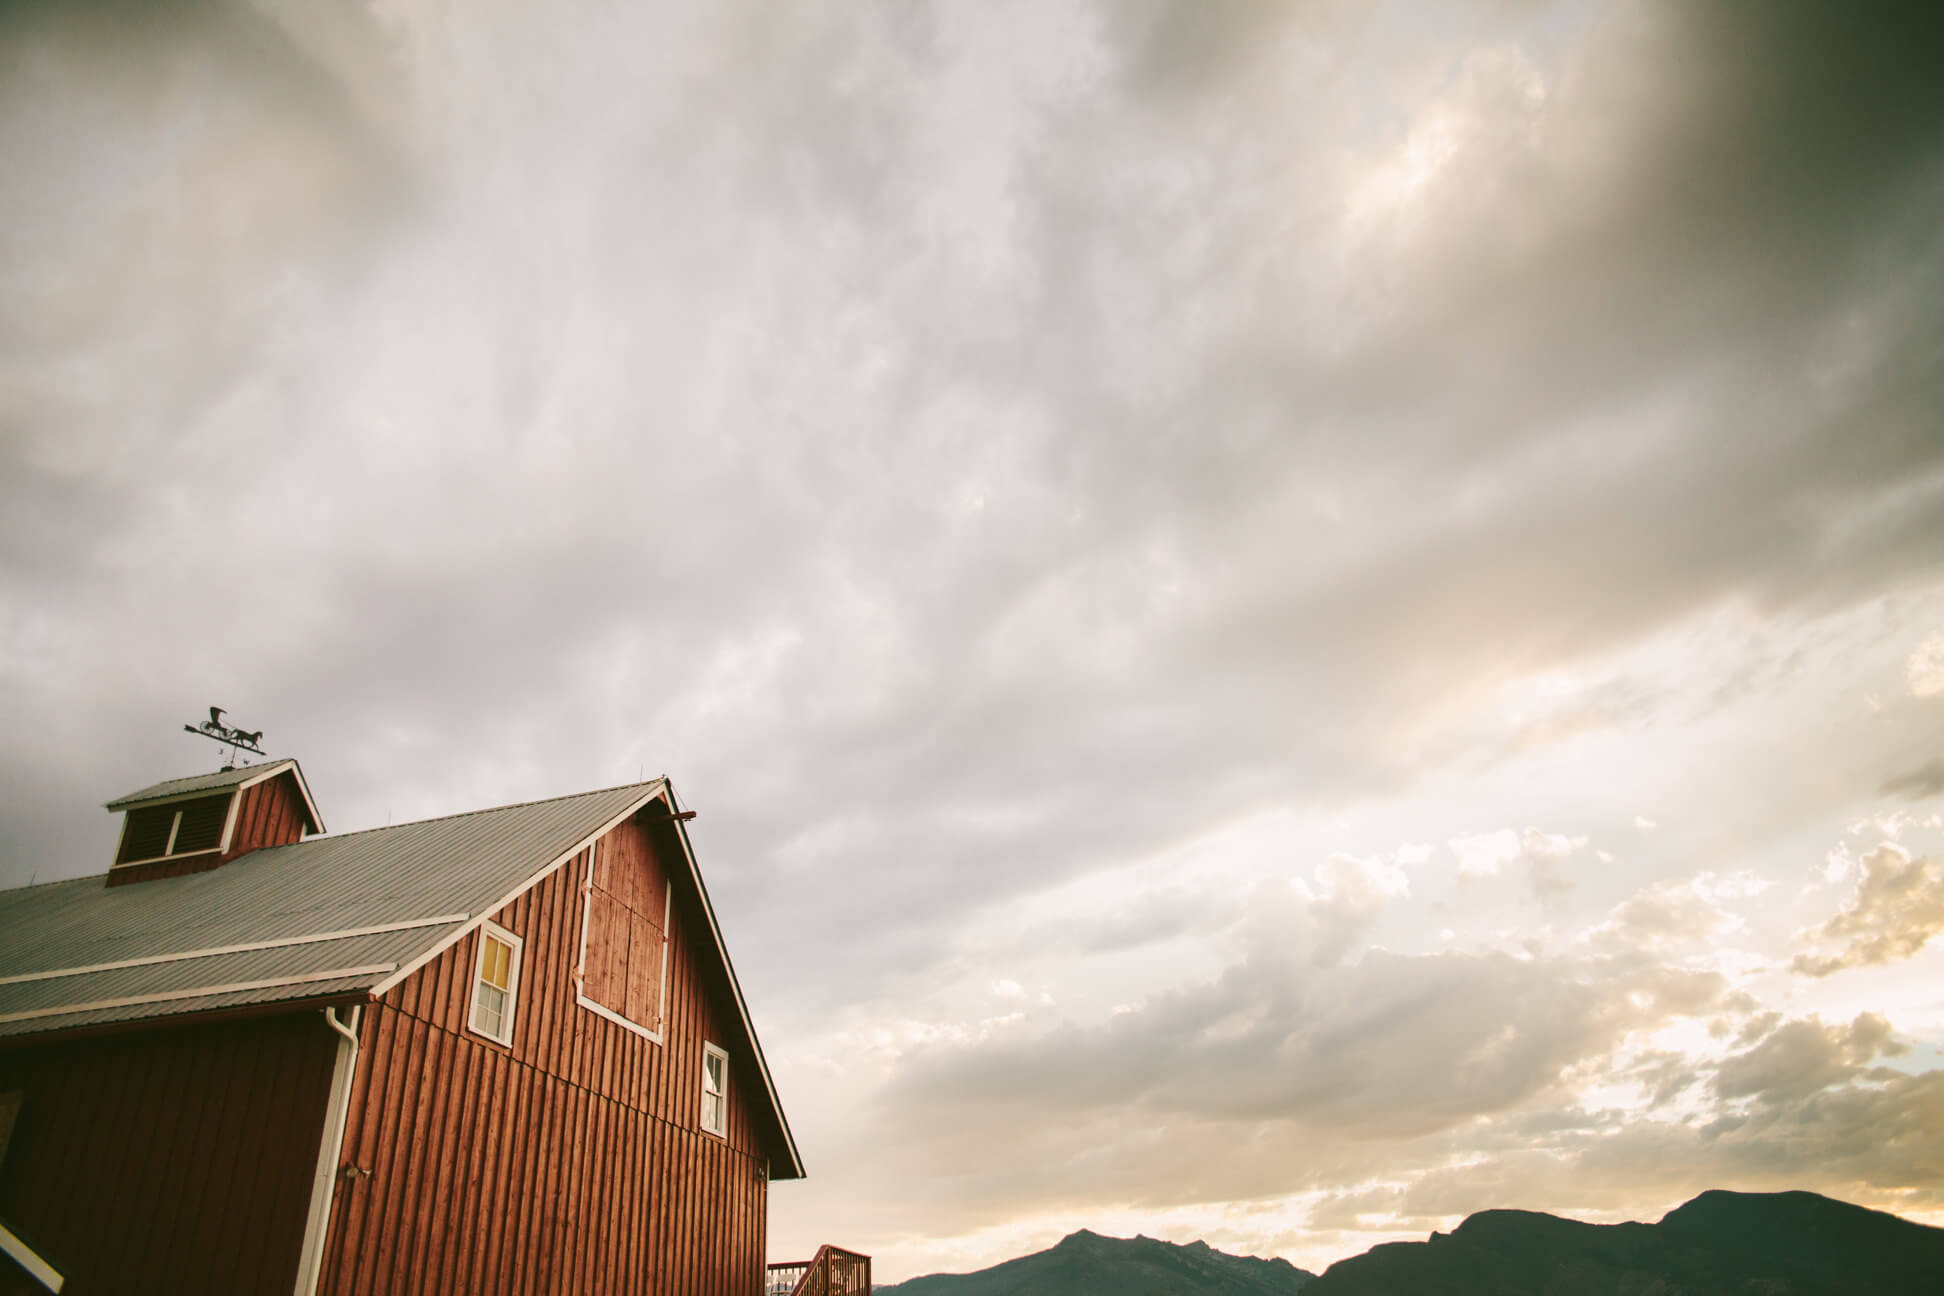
(189, 784)
(482, 810)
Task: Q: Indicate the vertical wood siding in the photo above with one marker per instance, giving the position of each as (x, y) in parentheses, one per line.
(272, 814)
(571, 1161)
(177, 1160)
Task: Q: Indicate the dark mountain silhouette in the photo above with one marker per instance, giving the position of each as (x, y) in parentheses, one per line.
(1719, 1244)
(1087, 1263)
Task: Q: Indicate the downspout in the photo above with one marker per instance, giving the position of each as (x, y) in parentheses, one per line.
(324, 1183)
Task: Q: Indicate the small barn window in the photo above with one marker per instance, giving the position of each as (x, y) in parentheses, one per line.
(496, 984)
(179, 828)
(715, 1090)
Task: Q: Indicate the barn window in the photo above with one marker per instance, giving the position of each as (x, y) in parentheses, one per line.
(179, 828)
(624, 943)
(496, 984)
(715, 1090)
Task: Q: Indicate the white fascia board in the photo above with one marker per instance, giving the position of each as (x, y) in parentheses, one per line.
(28, 1259)
(735, 992)
(259, 773)
(216, 951)
(200, 992)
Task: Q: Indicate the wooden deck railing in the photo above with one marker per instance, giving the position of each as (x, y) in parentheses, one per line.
(832, 1272)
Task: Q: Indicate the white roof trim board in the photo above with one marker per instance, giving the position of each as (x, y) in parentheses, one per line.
(244, 776)
(28, 1259)
(244, 948)
(201, 992)
(330, 917)
(735, 993)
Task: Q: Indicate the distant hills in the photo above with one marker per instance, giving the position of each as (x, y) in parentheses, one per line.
(1087, 1262)
(1719, 1244)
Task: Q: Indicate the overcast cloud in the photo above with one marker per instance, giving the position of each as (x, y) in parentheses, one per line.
(1286, 621)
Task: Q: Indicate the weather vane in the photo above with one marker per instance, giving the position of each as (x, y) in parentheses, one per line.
(235, 739)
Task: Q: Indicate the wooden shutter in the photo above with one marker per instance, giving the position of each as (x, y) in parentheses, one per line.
(627, 908)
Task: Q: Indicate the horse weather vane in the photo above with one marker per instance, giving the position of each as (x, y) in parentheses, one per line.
(235, 739)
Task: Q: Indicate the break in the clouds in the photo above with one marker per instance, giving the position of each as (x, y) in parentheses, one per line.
(1333, 610)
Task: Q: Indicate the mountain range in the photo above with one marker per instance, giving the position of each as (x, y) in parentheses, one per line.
(1719, 1244)
(1086, 1262)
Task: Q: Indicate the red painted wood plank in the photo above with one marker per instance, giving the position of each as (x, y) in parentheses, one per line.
(394, 1156)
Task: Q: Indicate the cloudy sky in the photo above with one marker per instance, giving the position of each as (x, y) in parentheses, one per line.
(1286, 621)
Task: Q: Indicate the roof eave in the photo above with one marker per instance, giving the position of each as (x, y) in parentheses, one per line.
(795, 1158)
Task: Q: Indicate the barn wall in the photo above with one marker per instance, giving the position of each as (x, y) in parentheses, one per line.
(176, 1159)
(571, 1161)
(272, 814)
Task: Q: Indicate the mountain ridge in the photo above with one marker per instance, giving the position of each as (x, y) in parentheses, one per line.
(1721, 1243)
(1760, 1244)
(1137, 1266)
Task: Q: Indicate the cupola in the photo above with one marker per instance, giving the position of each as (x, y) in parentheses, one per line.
(188, 825)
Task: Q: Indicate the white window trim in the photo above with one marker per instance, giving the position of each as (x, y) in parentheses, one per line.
(580, 964)
(708, 1051)
(497, 932)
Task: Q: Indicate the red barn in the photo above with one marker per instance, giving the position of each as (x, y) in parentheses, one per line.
(500, 1051)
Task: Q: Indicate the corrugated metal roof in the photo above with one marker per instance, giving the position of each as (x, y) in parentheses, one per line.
(464, 864)
(200, 783)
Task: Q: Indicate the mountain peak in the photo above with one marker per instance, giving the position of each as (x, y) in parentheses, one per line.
(1085, 1261)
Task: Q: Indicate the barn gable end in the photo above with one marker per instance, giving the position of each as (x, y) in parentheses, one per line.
(598, 1128)
(457, 1054)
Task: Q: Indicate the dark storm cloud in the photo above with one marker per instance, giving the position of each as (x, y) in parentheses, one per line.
(1287, 1044)
(1873, 1141)
(1126, 622)
(1811, 1105)
(1806, 1100)
(1788, 466)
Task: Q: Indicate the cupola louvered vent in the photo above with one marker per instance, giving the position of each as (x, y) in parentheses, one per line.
(147, 834)
(182, 828)
(191, 825)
